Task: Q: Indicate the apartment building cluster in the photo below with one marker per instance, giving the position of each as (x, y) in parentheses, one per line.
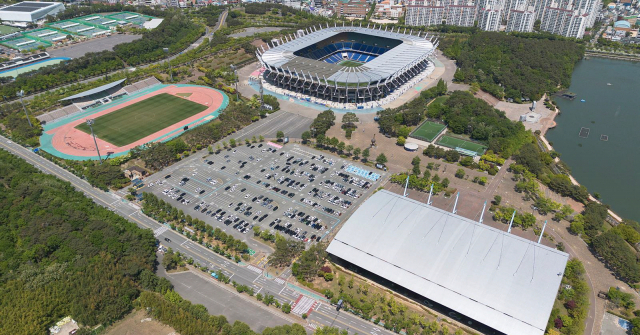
(568, 18)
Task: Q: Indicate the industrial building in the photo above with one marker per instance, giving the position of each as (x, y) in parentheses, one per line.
(28, 12)
(483, 277)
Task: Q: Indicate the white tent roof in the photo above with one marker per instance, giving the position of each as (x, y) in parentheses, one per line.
(501, 280)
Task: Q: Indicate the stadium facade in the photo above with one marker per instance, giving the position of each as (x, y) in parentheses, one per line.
(23, 13)
(347, 64)
(483, 277)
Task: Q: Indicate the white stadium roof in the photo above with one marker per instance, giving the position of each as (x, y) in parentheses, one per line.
(411, 50)
(29, 11)
(501, 280)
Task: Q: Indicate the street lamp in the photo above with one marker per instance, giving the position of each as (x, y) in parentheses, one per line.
(90, 123)
(21, 94)
(235, 78)
(166, 50)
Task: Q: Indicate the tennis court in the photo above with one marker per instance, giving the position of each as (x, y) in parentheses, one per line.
(98, 21)
(130, 17)
(137, 121)
(78, 28)
(46, 34)
(24, 43)
(427, 131)
(454, 143)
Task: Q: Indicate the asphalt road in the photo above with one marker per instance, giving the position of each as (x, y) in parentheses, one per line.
(242, 274)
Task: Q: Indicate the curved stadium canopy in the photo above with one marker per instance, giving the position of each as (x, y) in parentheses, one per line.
(412, 50)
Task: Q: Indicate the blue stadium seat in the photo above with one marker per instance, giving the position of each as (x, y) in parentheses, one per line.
(369, 49)
(357, 46)
(339, 46)
(375, 50)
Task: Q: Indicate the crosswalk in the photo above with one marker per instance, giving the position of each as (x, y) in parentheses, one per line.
(304, 305)
(158, 231)
(279, 280)
(254, 269)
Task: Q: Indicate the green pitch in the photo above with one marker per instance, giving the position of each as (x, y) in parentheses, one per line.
(349, 63)
(427, 131)
(142, 119)
(452, 142)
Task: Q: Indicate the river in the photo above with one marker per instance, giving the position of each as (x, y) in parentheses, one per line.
(609, 167)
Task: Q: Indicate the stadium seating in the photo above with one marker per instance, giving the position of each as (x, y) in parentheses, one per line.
(333, 53)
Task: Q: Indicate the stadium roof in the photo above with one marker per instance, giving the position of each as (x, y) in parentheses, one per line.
(94, 90)
(501, 280)
(28, 6)
(412, 49)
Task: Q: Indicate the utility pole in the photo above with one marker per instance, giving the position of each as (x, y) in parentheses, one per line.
(235, 78)
(90, 124)
(21, 94)
(166, 50)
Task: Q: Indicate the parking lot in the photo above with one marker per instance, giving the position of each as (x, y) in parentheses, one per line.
(296, 191)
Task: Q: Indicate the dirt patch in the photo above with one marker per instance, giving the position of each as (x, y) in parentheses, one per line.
(139, 323)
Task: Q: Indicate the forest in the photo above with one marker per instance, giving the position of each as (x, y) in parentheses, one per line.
(61, 254)
(513, 66)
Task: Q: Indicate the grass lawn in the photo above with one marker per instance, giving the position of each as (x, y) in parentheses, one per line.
(349, 63)
(427, 131)
(4, 30)
(141, 119)
(452, 142)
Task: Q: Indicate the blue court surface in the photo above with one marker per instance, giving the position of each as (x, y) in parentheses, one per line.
(360, 172)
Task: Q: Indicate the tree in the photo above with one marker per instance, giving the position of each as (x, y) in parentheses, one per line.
(323, 122)
(381, 159)
(460, 173)
(365, 154)
(357, 152)
(341, 146)
(452, 156)
(415, 161)
(401, 140)
(261, 138)
(279, 135)
(306, 136)
(349, 148)
(497, 200)
(348, 119)
(232, 142)
(334, 142)
(445, 182)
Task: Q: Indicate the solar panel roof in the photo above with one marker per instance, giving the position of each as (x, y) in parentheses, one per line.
(27, 6)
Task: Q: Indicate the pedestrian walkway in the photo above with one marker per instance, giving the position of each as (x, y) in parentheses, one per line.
(279, 280)
(159, 231)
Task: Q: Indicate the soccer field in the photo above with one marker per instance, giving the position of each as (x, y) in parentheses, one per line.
(452, 142)
(427, 131)
(349, 63)
(137, 121)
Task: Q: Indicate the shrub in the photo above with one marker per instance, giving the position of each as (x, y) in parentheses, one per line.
(325, 269)
(328, 276)
(460, 173)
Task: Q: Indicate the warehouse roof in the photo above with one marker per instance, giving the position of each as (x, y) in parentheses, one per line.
(412, 49)
(501, 280)
(28, 6)
(94, 90)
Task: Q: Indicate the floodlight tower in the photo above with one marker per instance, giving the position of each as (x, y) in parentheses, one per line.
(90, 123)
(21, 94)
(166, 50)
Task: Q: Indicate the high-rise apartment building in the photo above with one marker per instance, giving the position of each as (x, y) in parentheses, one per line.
(490, 14)
(521, 19)
(568, 18)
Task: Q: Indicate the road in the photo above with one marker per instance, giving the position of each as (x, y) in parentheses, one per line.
(208, 33)
(323, 314)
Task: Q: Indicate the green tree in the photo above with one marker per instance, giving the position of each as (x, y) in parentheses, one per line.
(279, 135)
(232, 142)
(460, 173)
(381, 159)
(306, 136)
(356, 152)
(349, 149)
(349, 119)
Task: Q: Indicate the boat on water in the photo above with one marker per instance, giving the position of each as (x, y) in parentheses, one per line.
(582, 100)
(609, 84)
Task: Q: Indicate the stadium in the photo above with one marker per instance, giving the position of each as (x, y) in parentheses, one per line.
(347, 65)
(124, 117)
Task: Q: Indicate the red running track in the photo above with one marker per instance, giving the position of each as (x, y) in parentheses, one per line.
(74, 142)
